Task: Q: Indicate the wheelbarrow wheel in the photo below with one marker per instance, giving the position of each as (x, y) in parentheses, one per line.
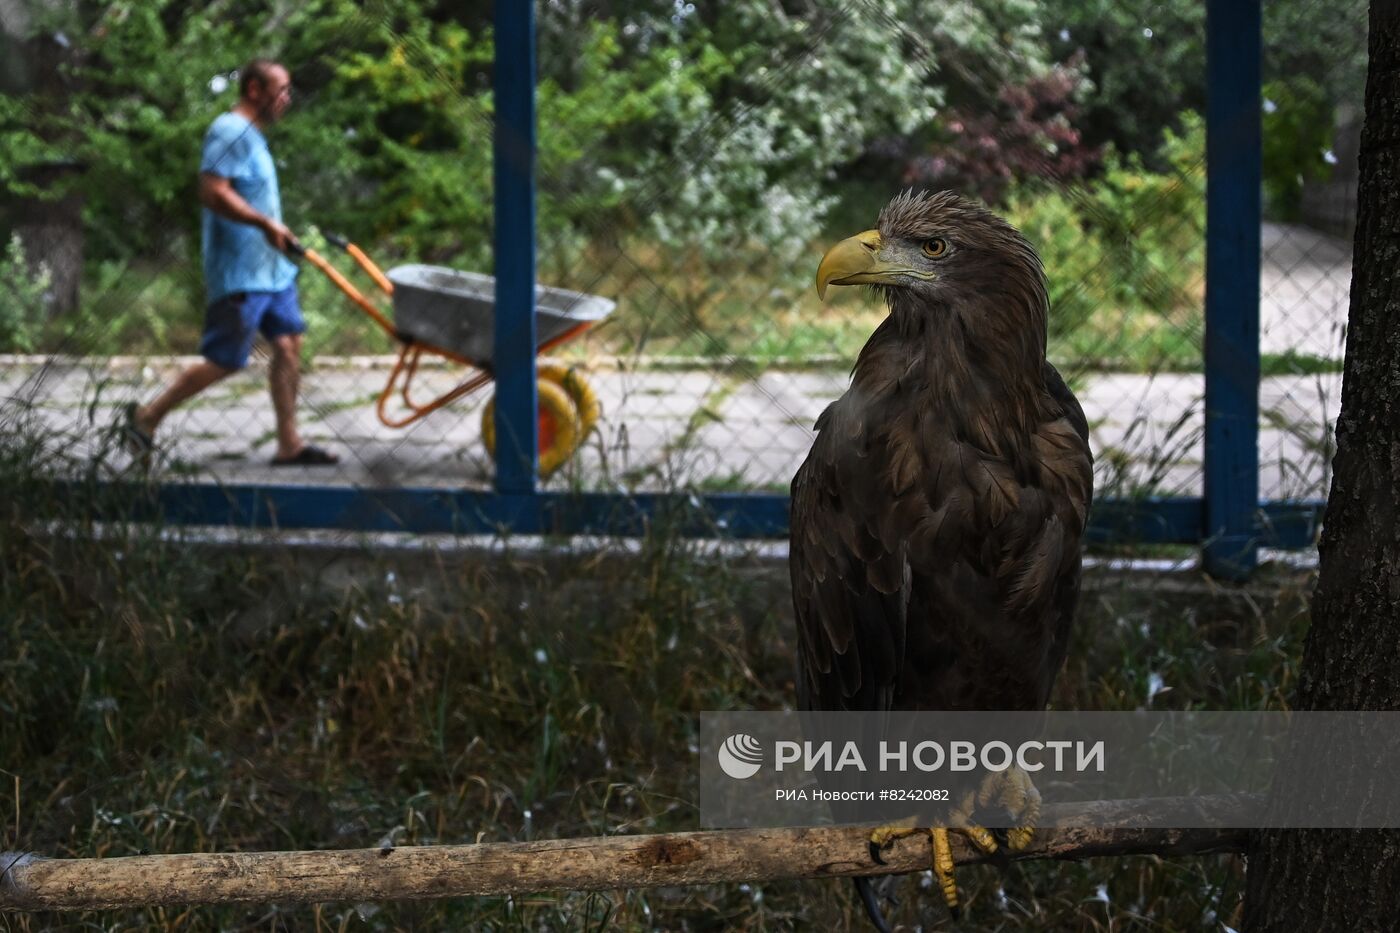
(579, 389)
(559, 427)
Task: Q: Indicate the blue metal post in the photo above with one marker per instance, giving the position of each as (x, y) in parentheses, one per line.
(517, 453)
(1233, 142)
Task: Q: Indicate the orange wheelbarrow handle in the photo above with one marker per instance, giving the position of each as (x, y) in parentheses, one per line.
(364, 262)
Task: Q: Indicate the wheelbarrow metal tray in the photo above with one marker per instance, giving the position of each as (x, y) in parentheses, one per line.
(456, 311)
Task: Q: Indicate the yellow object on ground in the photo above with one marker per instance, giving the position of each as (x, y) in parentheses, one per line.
(579, 389)
(560, 429)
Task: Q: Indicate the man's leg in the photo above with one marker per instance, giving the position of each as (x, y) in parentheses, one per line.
(188, 384)
(283, 325)
(283, 377)
(227, 339)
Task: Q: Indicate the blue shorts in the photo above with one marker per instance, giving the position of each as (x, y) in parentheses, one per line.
(231, 323)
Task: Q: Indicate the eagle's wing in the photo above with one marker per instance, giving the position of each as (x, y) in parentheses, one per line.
(849, 570)
(1068, 463)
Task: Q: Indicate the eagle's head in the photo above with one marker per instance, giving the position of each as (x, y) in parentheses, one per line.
(938, 257)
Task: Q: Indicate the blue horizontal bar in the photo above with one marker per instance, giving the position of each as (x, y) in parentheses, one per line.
(1285, 525)
(442, 511)
(1288, 525)
(1146, 521)
(1291, 526)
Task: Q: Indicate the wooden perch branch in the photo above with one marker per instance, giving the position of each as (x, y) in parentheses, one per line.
(604, 863)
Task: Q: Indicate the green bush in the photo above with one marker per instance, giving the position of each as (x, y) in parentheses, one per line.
(1297, 131)
(1125, 255)
(23, 311)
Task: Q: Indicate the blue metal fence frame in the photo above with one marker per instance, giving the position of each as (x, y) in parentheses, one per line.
(1233, 178)
(1287, 525)
(1229, 522)
(517, 444)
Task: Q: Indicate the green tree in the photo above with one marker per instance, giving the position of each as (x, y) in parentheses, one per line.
(1146, 60)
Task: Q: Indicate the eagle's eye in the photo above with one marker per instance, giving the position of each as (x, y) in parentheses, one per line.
(935, 247)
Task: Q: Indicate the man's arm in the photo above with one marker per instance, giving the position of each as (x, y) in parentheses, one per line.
(218, 194)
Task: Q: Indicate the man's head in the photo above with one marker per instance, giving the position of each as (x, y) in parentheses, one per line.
(266, 87)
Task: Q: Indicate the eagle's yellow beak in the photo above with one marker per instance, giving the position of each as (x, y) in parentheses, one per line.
(857, 261)
(853, 261)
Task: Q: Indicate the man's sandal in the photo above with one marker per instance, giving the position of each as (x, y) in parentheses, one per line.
(137, 442)
(308, 456)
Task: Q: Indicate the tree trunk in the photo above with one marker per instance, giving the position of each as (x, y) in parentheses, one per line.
(50, 227)
(1350, 879)
(51, 230)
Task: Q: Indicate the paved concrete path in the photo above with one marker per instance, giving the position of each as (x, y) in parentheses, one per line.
(667, 429)
(1305, 291)
(660, 429)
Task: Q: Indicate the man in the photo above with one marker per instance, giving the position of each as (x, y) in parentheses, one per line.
(250, 283)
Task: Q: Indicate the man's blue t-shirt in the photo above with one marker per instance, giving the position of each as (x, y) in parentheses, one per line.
(237, 256)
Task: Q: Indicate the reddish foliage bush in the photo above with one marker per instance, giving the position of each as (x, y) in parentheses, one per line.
(1032, 135)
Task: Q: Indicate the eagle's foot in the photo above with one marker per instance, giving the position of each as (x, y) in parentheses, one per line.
(1013, 790)
(882, 837)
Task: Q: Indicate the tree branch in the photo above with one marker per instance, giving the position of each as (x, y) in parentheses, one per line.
(31, 883)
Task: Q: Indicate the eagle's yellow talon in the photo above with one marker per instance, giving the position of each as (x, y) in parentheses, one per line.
(886, 836)
(882, 837)
(962, 818)
(1014, 790)
(943, 867)
(981, 838)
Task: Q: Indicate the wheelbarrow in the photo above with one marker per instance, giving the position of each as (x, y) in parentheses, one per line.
(438, 311)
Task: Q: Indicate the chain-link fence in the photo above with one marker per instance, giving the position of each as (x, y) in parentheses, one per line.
(694, 162)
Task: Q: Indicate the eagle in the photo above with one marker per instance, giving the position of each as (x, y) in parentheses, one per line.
(936, 522)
